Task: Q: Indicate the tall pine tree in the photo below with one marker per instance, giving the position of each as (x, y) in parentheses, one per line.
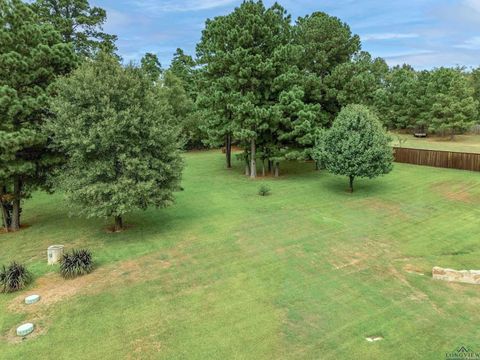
(326, 42)
(454, 109)
(237, 54)
(78, 23)
(151, 66)
(183, 67)
(32, 55)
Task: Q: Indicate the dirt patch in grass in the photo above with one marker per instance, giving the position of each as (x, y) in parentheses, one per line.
(455, 191)
(22, 227)
(144, 345)
(375, 255)
(359, 257)
(412, 269)
(111, 228)
(294, 249)
(52, 288)
(356, 262)
(40, 328)
(383, 207)
(416, 294)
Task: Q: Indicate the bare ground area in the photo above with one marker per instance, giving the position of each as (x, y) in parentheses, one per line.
(461, 192)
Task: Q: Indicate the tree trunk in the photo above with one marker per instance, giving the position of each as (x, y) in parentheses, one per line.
(452, 135)
(351, 183)
(253, 160)
(118, 224)
(277, 169)
(3, 207)
(5, 219)
(229, 151)
(263, 167)
(247, 164)
(17, 190)
(269, 166)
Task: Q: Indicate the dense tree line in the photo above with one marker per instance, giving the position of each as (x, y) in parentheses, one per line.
(443, 100)
(270, 85)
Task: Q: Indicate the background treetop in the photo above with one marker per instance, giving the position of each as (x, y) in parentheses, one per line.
(78, 23)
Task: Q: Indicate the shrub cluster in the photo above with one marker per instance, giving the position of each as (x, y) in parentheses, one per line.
(76, 263)
(14, 277)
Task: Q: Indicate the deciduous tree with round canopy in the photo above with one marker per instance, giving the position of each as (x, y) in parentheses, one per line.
(118, 134)
(356, 145)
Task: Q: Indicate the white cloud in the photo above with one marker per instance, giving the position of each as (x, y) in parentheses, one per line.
(180, 5)
(470, 44)
(461, 14)
(402, 55)
(388, 36)
(473, 4)
(430, 59)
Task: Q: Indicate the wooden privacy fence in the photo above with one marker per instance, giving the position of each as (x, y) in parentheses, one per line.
(444, 159)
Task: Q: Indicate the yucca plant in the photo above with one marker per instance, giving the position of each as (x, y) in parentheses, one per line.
(264, 190)
(14, 277)
(76, 263)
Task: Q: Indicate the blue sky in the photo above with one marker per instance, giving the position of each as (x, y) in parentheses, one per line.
(423, 33)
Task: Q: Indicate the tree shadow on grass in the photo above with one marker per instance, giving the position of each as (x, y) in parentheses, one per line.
(361, 187)
(298, 169)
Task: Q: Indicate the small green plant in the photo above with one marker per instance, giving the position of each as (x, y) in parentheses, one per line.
(264, 190)
(76, 263)
(14, 277)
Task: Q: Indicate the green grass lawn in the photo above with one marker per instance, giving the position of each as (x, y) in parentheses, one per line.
(306, 273)
(461, 143)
